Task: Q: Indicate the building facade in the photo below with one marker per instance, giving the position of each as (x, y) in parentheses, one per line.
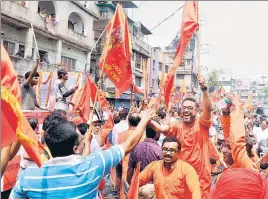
(63, 32)
(186, 74)
(160, 62)
(140, 49)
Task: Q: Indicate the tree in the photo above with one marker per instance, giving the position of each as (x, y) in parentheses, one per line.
(214, 79)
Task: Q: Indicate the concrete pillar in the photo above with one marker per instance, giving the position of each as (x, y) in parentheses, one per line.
(28, 44)
(58, 52)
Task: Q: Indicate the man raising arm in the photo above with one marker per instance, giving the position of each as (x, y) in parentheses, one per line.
(193, 133)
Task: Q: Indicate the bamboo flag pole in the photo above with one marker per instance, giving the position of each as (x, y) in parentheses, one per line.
(37, 51)
(94, 46)
(99, 82)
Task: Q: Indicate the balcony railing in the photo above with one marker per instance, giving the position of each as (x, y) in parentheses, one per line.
(24, 15)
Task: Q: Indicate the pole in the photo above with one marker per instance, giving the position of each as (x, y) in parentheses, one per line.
(105, 55)
(95, 46)
(37, 51)
(131, 96)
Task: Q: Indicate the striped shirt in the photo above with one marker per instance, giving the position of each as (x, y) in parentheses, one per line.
(67, 177)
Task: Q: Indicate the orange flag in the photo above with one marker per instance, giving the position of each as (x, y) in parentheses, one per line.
(188, 28)
(146, 79)
(116, 57)
(183, 89)
(133, 191)
(104, 104)
(14, 123)
(158, 101)
(248, 104)
(105, 130)
(218, 95)
(83, 101)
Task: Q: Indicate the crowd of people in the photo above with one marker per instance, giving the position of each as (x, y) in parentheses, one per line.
(190, 152)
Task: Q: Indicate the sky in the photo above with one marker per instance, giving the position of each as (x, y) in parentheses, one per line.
(234, 33)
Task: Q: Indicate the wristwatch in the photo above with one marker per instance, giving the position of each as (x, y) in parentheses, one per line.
(225, 112)
(204, 88)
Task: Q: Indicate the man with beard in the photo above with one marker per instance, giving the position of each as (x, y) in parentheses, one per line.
(193, 134)
(237, 147)
(172, 177)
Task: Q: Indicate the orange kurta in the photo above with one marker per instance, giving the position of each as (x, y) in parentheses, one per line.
(181, 182)
(195, 149)
(237, 139)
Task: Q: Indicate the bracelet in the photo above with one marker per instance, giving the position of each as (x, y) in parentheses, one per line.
(204, 88)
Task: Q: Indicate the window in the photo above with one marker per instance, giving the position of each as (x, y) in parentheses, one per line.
(160, 67)
(166, 69)
(138, 81)
(180, 76)
(153, 64)
(10, 47)
(188, 62)
(69, 61)
(138, 61)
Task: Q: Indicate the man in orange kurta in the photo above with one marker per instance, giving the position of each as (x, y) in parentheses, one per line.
(172, 177)
(235, 150)
(193, 133)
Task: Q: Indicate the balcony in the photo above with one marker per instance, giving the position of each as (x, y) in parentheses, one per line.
(141, 46)
(22, 17)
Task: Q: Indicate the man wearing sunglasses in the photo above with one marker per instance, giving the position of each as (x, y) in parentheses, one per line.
(28, 95)
(172, 177)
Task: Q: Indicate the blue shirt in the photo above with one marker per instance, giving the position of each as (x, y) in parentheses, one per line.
(67, 177)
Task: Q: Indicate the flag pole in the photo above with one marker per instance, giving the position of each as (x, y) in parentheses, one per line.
(37, 51)
(94, 46)
(99, 82)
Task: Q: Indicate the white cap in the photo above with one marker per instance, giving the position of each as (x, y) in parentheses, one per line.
(94, 119)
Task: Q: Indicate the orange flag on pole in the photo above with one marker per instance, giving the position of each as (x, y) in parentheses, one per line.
(106, 128)
(116, 57)
(83, 101)
(14, 123)
(133, 191)
(189, 26)
(218, 95)
(146, 79)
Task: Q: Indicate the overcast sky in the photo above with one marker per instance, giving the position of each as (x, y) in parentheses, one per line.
(236, 32)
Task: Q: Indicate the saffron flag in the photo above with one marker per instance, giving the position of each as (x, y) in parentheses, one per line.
(158, 101)
(218, 95)
(183, 88)
(188, 28)
(115, 61)
(133, 191)
(248, 104)
(14, 123)
(83, 100)
(106, 129)
(146, 79)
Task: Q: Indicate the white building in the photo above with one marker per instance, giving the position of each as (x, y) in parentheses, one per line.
(66, 39)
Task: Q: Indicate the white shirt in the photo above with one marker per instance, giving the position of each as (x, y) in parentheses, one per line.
(94, 145)
(119, 128)
(260, 134)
